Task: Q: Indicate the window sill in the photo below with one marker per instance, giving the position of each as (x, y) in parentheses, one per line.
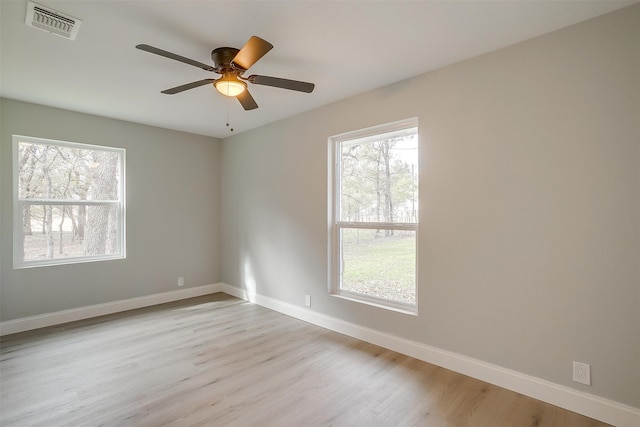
(66, 261)
(412, 311)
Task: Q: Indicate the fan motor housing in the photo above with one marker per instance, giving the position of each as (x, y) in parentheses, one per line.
(222, 58)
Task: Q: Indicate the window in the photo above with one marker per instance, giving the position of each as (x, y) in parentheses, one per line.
(68, 202)
(375, 215)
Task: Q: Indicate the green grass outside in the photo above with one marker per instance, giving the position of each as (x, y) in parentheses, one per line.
(383, 267)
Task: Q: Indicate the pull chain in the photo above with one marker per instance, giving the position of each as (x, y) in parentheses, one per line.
(228, 101)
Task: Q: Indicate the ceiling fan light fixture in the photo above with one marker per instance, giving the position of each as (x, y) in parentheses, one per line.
(229, 85)
(231, 63)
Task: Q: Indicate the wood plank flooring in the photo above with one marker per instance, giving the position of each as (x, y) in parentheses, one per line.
(220, 361)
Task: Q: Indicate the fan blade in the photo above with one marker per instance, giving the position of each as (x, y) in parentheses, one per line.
(251, 52)
(175, 57)
(282, 83)
(187, 86)
(247, 101)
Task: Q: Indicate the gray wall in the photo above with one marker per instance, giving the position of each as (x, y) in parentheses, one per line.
(529, 239)
(173, 214)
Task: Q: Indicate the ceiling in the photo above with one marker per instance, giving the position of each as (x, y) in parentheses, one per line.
(344, 47)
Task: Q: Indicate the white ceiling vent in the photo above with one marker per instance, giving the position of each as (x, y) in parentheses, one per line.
(49, 20)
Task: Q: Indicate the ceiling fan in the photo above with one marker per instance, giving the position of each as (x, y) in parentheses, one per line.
(232, 63)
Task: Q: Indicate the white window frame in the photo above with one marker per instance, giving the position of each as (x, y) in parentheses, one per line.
(336, 225)
(18, 249)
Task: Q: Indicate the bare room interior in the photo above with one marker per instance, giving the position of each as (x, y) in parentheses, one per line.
(414, 213)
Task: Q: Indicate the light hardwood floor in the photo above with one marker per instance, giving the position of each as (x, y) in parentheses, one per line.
(220, 361)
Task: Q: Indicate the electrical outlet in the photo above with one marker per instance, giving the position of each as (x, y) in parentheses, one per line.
(582, 373)
(180, 281)
(307, 300)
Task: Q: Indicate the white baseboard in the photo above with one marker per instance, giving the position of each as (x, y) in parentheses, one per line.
(592, 406)
(59, 317)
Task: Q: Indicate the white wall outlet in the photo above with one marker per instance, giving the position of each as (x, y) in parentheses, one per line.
(180, 281)
(307, 300)
(582, 373)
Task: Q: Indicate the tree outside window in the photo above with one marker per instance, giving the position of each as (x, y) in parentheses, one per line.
(376, 214)
(69, 204)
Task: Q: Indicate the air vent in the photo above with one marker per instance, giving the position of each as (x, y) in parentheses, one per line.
(49, 20)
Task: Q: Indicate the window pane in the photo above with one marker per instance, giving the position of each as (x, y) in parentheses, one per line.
(57, 232)
(69, 200)
(379, 179)
(49, 171)
(379, 263)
